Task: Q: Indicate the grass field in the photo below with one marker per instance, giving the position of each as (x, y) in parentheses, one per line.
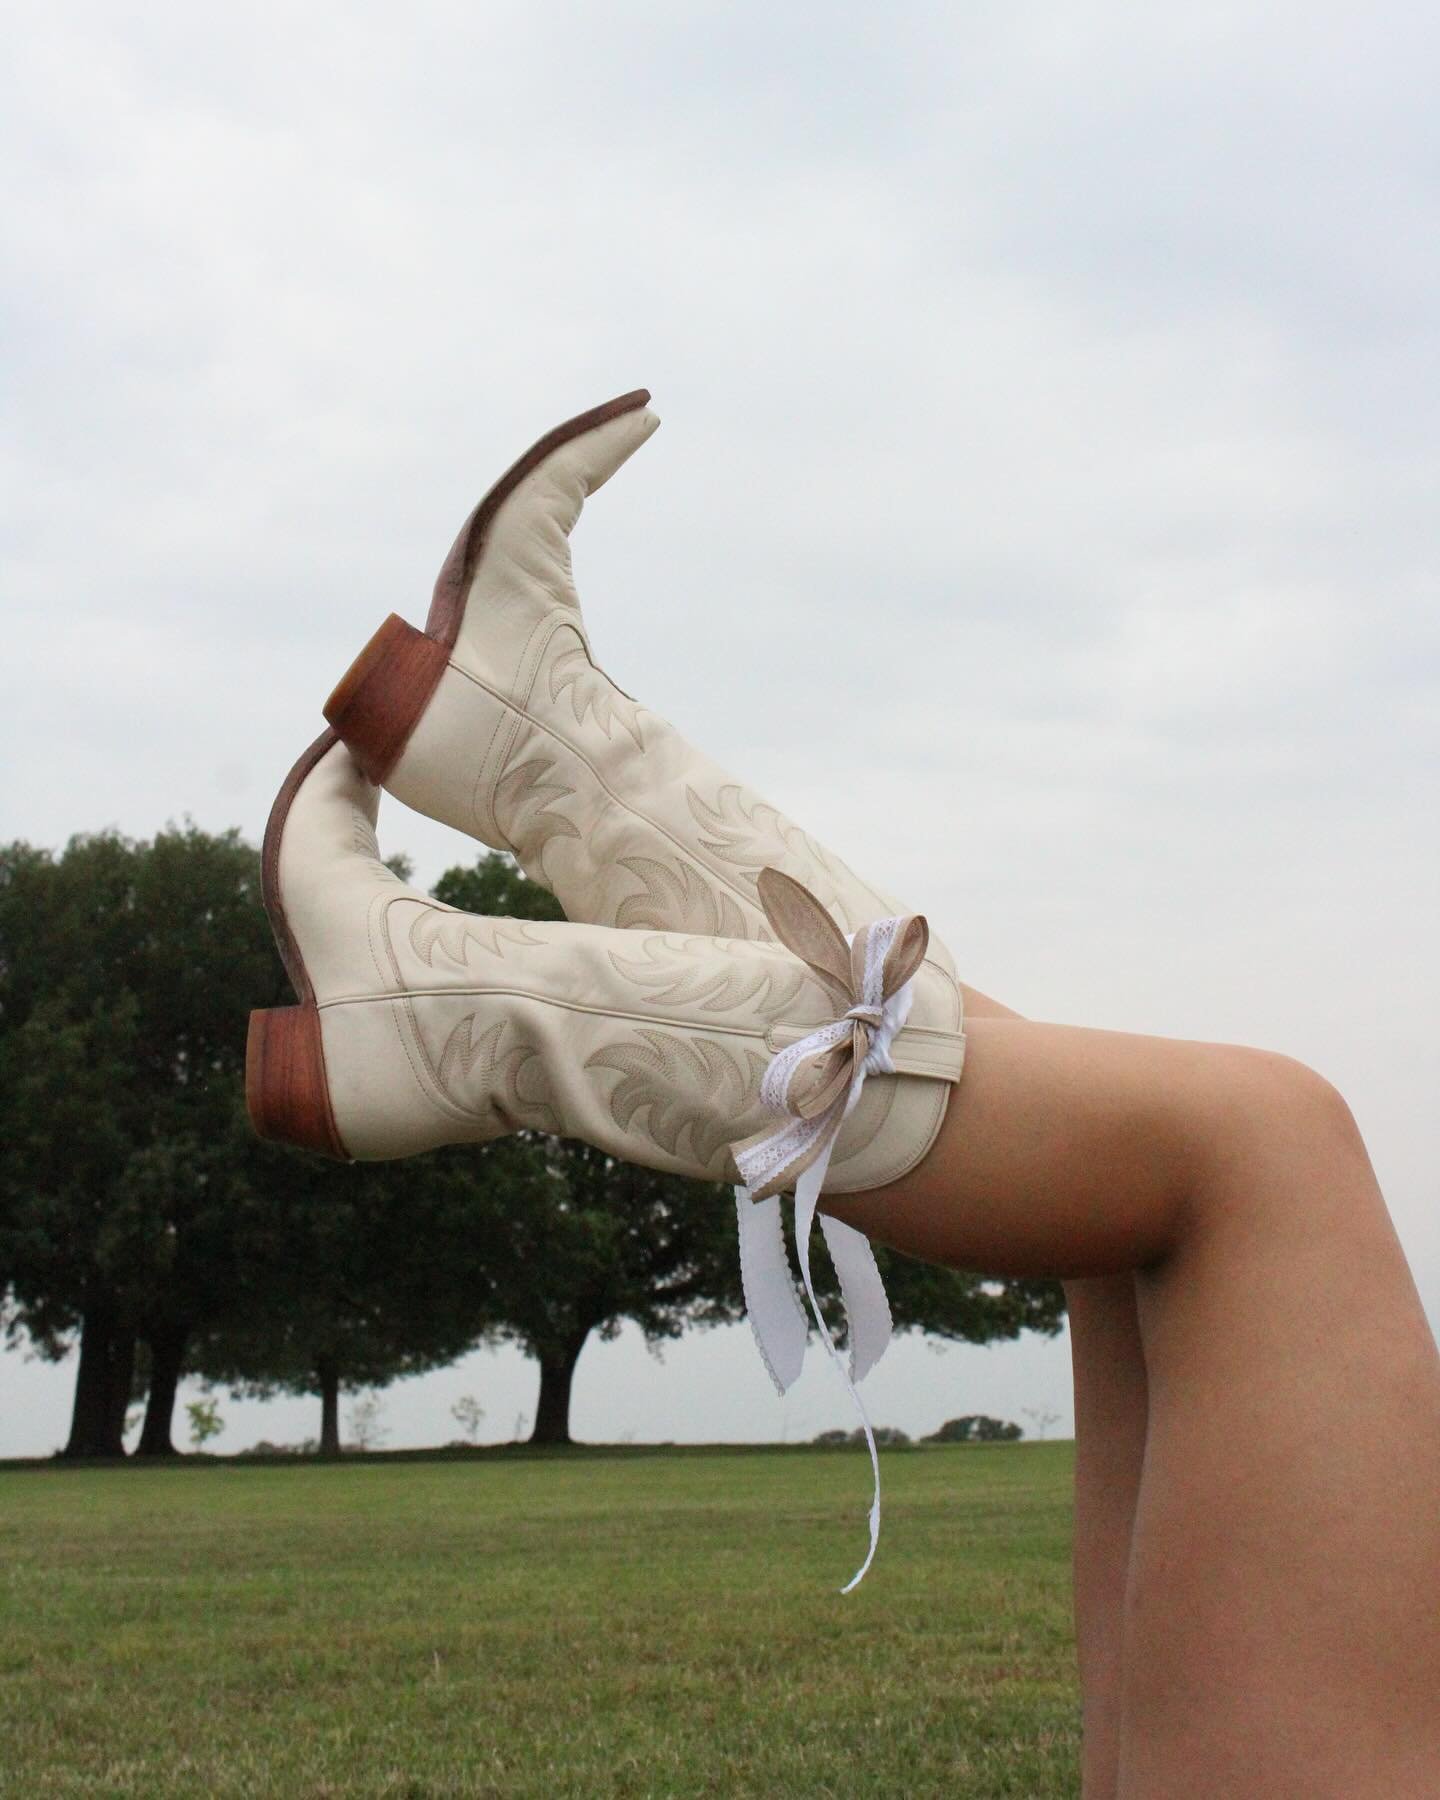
(579, 1623)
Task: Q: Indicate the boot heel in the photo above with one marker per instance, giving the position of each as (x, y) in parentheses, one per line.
(378, 701)
(286, 1093)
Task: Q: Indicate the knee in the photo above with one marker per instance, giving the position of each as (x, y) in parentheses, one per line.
(1293, 1085)
(1277, 1095)
(1262, 1128)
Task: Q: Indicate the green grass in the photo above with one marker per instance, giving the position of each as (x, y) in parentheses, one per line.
(583, 1623)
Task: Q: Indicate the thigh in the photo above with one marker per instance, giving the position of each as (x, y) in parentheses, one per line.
(981, 1006)
(1064, 1152)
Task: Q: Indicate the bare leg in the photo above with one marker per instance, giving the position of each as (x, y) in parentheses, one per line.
(1281, 1633)
(1111, 1401)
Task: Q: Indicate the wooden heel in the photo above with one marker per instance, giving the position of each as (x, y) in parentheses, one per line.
(286, 1093)
(378, 701)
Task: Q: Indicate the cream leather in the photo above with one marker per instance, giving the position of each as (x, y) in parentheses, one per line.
(443, 1027)
(527, 745)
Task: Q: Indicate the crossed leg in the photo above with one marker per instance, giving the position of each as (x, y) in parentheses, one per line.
(1280, 1633)
(1111, 1400)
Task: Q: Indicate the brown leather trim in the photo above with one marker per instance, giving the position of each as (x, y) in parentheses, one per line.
(453, 583)
(270, 868)
(261, 1075)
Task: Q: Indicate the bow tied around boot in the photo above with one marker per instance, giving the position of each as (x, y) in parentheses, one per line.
(815, 1083)
(813, 1086)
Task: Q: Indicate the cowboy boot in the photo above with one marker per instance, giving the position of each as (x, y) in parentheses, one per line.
(497, 721)
(420, 1025)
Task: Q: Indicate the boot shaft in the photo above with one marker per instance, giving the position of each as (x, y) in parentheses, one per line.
(513, 734)
(436, 1026)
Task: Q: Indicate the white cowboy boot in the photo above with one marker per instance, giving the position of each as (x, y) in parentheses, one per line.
(495, 720)
(420, 1025)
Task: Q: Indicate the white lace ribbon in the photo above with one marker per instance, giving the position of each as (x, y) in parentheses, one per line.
(805, 1145)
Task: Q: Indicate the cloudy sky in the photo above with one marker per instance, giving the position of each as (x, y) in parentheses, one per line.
(1086, 354)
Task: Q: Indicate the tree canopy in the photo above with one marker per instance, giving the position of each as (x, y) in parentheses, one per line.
(138, 1210)
(126, 972)
(620, 1242)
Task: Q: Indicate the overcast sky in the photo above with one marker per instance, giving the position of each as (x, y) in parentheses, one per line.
(1086, 355)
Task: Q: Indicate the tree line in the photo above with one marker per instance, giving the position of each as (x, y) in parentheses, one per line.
(141, 1217)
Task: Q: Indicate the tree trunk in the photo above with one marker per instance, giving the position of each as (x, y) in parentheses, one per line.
(557, 1372)
(122, 1384)
(167, 1359)
(327, 1369)
(105, 1352)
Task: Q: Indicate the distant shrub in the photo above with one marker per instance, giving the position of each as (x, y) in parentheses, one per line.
(306, 1447)
(884, 1434)
(974, 1428)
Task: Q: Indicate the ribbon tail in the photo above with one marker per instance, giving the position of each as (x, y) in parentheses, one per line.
(807, 1195)
(777, 1318)
(867, 1310)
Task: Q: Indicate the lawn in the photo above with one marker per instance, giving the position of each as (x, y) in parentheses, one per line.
(581, 1623)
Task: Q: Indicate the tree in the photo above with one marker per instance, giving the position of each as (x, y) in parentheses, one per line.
(497, 887)
(355, 1275)
(590, 1242)
(967, 1307)
(136, 1205)
(617, 1242)
(974, 1428)
(63, 1140)
(138, 1209)
(126, 972)
(593, 1241)
(884, 1435)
